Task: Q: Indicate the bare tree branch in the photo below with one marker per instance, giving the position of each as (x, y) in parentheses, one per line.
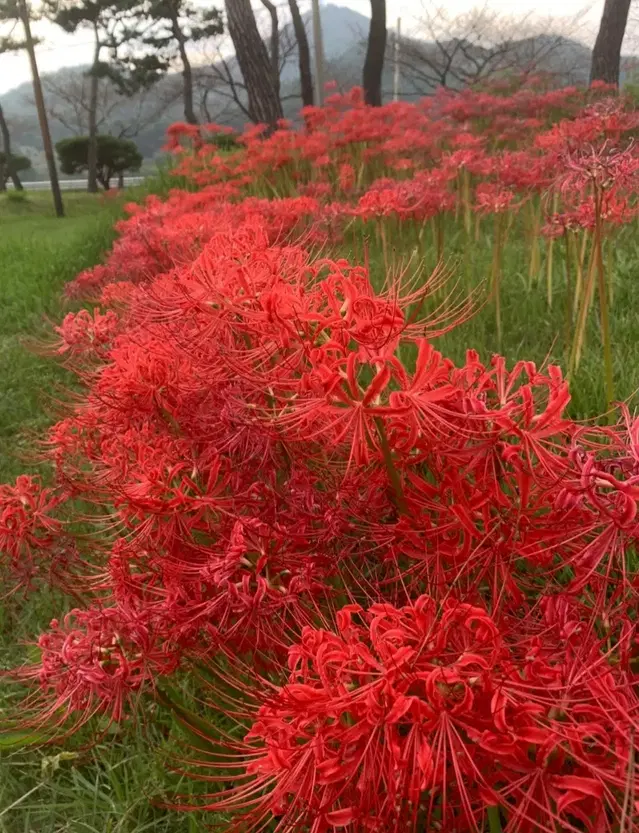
(463, 50)
(70, 92)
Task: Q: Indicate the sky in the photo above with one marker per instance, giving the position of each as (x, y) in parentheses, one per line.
(59, 49)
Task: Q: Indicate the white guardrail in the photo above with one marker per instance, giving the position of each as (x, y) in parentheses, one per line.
(75, 184)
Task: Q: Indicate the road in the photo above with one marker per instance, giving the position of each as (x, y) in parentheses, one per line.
(74, 184)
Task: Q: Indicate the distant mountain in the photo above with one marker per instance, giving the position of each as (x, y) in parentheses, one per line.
(424, 66)
(146, 120)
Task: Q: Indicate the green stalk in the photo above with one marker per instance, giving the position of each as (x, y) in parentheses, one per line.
(393, 474)
(580, 330)
(610, 260)
(494, 822)
(533, 267)
(569, 308)
(382, 231)
(580, 256)
(496, 277)
(438, 235)
(466, 194)
(603, 305)
(549, 258)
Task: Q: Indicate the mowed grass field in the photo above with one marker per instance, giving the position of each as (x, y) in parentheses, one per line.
(39, 253)
(117, 785)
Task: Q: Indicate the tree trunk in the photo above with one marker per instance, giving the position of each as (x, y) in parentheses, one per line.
(92, 150)
(187, 72)
(275, 44)
(374, 63)
(318, 53)
(42, 113)
(304, 54)
(263, 100)
(121, 180)
(606, 56)
(6, 142)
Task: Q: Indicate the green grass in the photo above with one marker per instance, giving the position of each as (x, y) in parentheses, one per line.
(115, 786)
(532, 330)
(38, 255)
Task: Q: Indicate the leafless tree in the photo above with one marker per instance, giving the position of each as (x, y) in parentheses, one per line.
(274, 43)
(148, 108)
(70, 93)
(116, 114)
(463, 50)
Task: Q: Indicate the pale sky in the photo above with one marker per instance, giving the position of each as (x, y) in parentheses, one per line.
(59, 49)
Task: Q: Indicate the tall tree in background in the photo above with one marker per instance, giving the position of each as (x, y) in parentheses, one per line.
(264, 102)
(606, 55)
(176, 24)
(111, 23)
(220, 85)
(304, 54)
(13, 11)
(275, 43)
(375, 51)
(5, 152)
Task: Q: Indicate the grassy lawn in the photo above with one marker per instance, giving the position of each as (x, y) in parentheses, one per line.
(536, 331)
(108, 788)
(38, 255)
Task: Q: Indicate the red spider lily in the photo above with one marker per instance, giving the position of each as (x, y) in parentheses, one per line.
(491, 199)
(279, 465)
(422, 715)
(95, 663)
(603, 168)
(419, 198)
(83, 335)
(31, 542)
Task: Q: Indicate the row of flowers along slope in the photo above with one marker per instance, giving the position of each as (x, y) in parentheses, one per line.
(413, 582)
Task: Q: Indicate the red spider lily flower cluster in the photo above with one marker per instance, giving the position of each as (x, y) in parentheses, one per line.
(95, 654)
(424, 716)
(491, 199)
(404, 161)
(262, 452)
(423, 196)
(419, 576)
(31, 544)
